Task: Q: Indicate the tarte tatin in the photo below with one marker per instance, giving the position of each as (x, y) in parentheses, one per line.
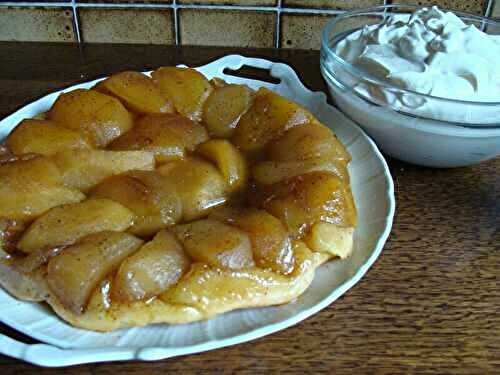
(169, 199)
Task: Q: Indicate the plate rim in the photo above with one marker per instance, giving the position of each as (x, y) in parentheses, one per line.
(51, 355)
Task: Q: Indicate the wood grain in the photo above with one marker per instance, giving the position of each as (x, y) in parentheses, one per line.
(430, 304)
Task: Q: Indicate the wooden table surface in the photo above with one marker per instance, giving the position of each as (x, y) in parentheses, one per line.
(430, 304)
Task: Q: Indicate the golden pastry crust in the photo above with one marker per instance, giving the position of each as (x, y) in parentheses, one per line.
(159, 249)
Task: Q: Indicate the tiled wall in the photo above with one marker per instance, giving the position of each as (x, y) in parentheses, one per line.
(253, 23)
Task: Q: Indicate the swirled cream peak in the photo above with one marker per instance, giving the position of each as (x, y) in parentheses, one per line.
(430, 52)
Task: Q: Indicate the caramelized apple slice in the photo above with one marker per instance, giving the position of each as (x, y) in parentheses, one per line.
(30, 187)
(157, 265)
(75, 273)
(43, 137)
(100, 118)
(199, 184)
(267, 119)
(82, 169)
(66, 224)
(215, 243)
(152, 197)
(224, 107)
(186, 87)
(215, 290)
(330, 238)
(271, 244)
(309, 141)
(301, 201)
(137, 91)
(271, 172)
(228, 160)
(168, 136)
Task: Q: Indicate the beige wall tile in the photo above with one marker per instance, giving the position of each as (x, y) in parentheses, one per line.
(303, 31)
(37, 25)
(230, 2)
(227, 28)
(496, 9)
(133, 25)
(471, 6)
(123, 1)
(332, 4)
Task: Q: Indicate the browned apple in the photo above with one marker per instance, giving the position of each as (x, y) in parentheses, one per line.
(157, 265)
(152, 197)
(224, 107)
(186, 87)
(271, 172)
(308, 141)
(66, 224)
(43, 137)
(330, 238)
(168, 136)
(228, 160)
(301, 201)
(270, 241)
(82, 169)
(199, 184)
(215, 243)
(30, 187)
(76, 272)
(218, 83)
(10, 232)
(137, 92)
(267, 119)
(99, 117)
(215, 290)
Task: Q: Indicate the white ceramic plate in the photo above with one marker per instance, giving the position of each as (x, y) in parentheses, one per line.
(373, 191)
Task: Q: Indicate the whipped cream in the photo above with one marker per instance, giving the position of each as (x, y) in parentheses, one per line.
(429, 52)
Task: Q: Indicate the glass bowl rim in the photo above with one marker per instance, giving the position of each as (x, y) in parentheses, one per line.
(360, 73)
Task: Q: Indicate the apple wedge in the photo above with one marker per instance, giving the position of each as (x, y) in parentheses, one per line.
(30, 187)
(152, 197)
(99, 117)
(215, 243)
(76, 272)
(228, 160)
(66, 224)
(155, 267)
(83, 169)
(137, 92)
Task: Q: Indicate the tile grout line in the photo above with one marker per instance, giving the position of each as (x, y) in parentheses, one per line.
(489, 8)
(35, 4)
(278, 24)
(386, 2)
(76, 21)
(176, 22)
(171, 6)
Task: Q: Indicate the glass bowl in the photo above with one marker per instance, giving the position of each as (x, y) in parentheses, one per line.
(418, 128)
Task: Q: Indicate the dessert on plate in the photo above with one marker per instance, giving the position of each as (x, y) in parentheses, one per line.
(169, 199)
